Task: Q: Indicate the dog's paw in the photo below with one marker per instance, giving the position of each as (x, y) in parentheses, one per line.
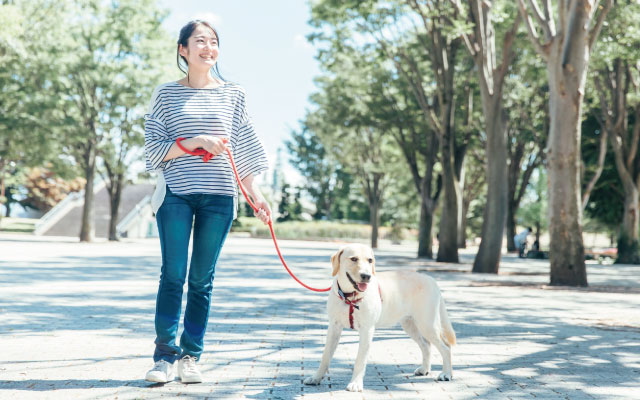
(312, 380)
(421, 371)
(444, 377)
(355, 386)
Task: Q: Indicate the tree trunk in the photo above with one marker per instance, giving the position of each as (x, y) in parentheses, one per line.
(448, 238)
(511, 227)
(429, 201)
(114, 202)
(566, 86)
(488, 258)
(6, 203)
(462, 234)
(374, 194)
(425, 240)
(462, 214)
(374, 220)
(87, 228)
(628, 252)
(567, 52)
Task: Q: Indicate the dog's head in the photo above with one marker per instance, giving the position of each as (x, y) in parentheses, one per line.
(356, 264)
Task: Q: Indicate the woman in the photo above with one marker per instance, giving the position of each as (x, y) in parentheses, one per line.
(192, 195)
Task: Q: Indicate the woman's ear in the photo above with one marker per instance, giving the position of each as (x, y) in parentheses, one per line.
(335, 261)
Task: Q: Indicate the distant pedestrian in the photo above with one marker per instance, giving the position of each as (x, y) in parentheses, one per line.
(196, 197)
(520, 240)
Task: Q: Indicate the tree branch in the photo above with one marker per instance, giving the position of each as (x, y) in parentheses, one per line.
(600, 167)
(635, 136)
(469, 41)
(541, 20)
(595, 30)
(526, 177)
(507, 52)
(531, 31)
(549, 17)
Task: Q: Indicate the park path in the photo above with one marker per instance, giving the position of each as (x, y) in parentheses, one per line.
(76, 322)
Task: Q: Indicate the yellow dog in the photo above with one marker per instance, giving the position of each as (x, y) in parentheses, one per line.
(363, 300)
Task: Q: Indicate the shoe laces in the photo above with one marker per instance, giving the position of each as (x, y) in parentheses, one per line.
(189, 364)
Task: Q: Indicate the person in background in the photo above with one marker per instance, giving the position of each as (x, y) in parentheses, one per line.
(520, 240)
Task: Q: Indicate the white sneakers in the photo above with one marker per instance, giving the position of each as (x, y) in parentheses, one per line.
(188, 370)
(163, 372)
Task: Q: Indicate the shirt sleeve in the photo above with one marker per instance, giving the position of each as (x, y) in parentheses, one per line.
(157, 140)
(249, 153)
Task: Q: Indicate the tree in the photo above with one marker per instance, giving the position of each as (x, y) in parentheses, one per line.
(566, 51)
(617, 82)
(474, 190)
(415, 37)
(527, 133)
(349, 131)
(533, 209)
(321, 172)
(480, 42)
(31, 55)
(113, 45)
(138, 55)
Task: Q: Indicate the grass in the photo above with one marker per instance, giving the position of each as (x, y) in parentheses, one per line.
(19, 225)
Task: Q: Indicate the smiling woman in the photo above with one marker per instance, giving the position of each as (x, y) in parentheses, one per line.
(204, 112)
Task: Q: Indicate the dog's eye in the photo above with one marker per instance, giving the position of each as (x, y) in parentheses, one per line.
(370, 260)
(354, 259)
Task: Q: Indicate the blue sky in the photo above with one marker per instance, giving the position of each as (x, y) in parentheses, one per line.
(263, 47)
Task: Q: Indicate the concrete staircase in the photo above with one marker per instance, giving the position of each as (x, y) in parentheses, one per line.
(69, 219)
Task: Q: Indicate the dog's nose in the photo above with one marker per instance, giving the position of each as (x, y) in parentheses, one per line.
(365, 277)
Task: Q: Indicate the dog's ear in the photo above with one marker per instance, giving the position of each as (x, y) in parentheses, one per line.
(373, 266)
(335, 261)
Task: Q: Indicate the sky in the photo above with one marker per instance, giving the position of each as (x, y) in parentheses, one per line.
(263, 48)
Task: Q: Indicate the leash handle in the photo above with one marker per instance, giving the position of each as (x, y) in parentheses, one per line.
(206, 156)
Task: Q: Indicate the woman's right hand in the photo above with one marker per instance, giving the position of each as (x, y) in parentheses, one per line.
(213, 144)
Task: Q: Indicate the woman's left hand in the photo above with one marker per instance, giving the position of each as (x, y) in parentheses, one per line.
(264, 211)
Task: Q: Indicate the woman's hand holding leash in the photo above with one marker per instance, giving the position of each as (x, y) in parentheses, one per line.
(212, 144)
(262, 210)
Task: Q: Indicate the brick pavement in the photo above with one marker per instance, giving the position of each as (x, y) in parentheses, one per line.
(77, 323)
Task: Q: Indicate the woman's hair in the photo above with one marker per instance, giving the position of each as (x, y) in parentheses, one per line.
(183, 39)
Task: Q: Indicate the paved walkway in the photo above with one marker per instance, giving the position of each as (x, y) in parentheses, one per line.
(76, 322)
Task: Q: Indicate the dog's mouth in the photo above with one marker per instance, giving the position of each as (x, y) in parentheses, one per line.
(360, 287)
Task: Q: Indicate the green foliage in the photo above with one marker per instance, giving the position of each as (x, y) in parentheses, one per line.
(533, 209)
(77, 76)
(17, 225)
(326, 182)
(290, 208)
(319, 230)
(620, 35)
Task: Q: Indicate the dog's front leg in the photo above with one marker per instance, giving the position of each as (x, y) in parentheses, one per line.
(333, 337)
(366, 336)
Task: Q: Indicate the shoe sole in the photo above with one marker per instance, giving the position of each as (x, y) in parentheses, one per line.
(191, 380)
(158, 380)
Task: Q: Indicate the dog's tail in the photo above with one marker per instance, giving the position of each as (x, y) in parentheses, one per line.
(448, 334)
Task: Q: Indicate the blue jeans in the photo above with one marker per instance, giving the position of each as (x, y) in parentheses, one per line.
(213, 217)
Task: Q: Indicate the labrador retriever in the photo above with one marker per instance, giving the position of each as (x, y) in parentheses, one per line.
(363, 300)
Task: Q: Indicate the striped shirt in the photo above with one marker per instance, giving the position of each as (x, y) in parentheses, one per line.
(180, 111)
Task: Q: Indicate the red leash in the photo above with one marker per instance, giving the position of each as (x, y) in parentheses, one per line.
(206, 156)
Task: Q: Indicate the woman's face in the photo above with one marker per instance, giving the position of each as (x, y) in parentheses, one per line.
(202, 48)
